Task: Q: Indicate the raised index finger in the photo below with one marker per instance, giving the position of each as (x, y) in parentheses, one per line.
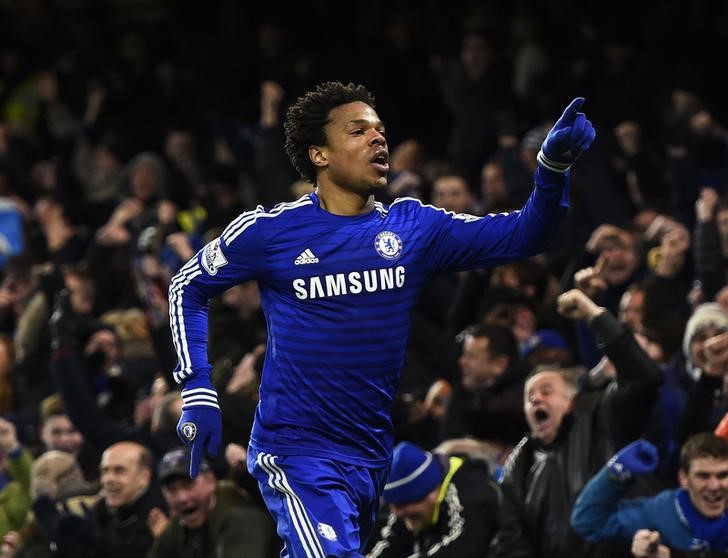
(570, 112)
(196, 456)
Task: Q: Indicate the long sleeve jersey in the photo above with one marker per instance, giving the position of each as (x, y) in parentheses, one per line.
(337, 293)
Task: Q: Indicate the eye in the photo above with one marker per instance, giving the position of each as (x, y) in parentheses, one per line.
(357, 132)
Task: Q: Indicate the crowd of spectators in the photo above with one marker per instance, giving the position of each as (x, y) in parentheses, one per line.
(131, 133)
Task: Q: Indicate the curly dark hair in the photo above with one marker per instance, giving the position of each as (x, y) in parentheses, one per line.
(307, 118)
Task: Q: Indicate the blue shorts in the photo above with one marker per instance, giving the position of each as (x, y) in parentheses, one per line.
(321, 507)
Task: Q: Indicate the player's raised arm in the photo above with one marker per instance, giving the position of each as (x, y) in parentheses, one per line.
(466, 242)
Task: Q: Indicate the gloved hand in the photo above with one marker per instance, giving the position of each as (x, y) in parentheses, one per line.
(637, 458)
(46, 514)
(76, 535)
(200, 426)
(70, 534)
(571, 135)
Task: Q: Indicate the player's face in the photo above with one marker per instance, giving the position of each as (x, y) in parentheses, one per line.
(707, 485)
(356, 154)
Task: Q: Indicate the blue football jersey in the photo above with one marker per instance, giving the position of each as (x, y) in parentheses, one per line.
(337, 293)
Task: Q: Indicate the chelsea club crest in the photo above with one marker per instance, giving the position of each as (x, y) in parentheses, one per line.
(388, 245)
(189, 430)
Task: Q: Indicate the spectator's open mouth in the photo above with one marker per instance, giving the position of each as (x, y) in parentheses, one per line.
(715, 502)
(187, 511)
(541, 416)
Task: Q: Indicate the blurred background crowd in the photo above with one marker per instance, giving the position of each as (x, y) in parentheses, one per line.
(132, 132)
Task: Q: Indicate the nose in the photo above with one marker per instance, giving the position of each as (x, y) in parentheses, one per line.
(377, 138)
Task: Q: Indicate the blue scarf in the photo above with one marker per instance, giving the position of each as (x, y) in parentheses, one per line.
(709, 534)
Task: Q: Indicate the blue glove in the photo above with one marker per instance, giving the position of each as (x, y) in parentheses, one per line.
(200, 425)
(571, 135)
(637, 458)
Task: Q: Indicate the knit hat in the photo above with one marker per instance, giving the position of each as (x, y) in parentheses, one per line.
(707, 314)
(56, 472)
(414, 474)
(544, 338)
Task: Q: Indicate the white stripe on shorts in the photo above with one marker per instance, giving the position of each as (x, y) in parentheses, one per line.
(302, 524)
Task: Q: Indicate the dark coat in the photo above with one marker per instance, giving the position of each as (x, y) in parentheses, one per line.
(467, 519)
(541, 483)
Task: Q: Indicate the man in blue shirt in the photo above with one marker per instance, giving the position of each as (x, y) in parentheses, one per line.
(692, 517)
(339, 274)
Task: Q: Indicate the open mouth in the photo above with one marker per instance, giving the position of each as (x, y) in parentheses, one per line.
(714, 499)
(714, 505)
(616, 268)
(188, 511)
(381, 161)
(541, 416)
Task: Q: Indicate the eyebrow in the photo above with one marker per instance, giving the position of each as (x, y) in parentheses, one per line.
(360, 121)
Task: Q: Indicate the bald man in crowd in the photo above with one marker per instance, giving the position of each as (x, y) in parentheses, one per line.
(117, 524)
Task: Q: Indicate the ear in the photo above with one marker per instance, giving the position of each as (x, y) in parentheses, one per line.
(572, 397)
(502, 362)
(682, 477)
(318, 156)
(570, 408)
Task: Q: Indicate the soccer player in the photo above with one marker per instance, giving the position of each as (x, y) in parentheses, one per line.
(339, 274)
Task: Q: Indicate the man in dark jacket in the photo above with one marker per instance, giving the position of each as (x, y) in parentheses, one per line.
(208, 518)
(439, 506)
(487, 403)
(572, 436)
(116, 526)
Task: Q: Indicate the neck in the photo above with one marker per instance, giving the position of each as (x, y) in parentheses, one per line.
(339, 201)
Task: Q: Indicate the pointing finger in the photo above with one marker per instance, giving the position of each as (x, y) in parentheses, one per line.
(570, 112)
(196, 457)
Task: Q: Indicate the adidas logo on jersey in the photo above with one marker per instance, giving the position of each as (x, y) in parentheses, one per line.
(306, 257)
